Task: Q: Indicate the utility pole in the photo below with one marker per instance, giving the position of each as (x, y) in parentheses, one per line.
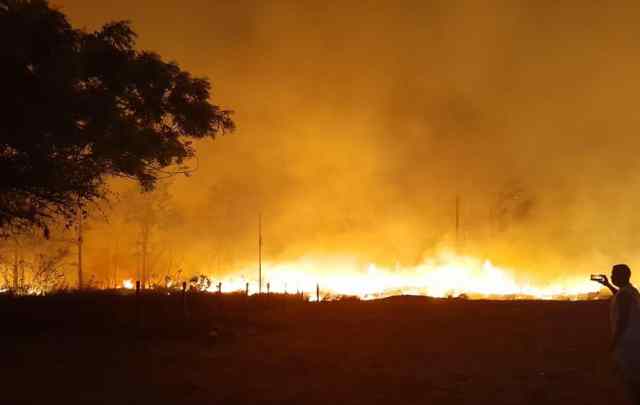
(144, 260)
(259, 253)
(457, 222)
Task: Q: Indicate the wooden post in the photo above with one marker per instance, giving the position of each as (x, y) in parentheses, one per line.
(246, 289)
(318, 292)
(268, 288)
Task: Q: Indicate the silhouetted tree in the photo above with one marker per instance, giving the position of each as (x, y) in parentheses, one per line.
(513, 203)
(76, 107)
(30, 264)
(150, 212)
(49, 272)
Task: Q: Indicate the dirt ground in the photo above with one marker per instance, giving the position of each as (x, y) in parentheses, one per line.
(403, 350)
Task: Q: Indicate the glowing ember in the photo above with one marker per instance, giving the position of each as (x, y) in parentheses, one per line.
(127, 284)
(444, 276)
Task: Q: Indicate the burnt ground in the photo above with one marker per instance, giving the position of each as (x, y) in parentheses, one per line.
(73, 349)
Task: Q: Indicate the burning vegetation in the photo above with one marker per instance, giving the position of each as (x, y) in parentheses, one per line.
(446, 276)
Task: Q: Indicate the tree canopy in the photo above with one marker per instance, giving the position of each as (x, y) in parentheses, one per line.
(77, 107)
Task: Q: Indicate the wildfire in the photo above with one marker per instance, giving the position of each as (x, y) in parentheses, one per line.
(448, 275)
(127, 284)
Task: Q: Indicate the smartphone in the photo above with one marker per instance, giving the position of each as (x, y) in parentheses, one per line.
(598, 277)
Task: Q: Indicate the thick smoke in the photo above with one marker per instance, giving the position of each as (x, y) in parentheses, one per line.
(359, 124)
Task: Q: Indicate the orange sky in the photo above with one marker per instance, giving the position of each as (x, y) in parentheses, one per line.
(359, 124)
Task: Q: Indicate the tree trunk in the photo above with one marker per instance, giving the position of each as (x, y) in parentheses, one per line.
(16, 271)
(80, 280)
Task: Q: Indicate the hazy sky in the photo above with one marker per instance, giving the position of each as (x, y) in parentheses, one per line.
(360, 122)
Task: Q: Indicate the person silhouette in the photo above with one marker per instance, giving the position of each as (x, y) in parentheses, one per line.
(624, 319)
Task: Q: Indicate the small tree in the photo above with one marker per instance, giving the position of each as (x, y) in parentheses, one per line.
(512, 204)
(49, 272)
(32, 264)
(150, 212)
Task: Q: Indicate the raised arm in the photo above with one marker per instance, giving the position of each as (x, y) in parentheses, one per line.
(605, 282)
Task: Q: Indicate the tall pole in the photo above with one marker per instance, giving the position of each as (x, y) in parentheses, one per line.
(457, 222)
(260, 253)
(143, 271)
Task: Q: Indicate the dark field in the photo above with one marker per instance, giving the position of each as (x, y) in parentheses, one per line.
(406, 350)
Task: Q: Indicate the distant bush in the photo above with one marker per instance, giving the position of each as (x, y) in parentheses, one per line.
(345, 297)
(200, 283)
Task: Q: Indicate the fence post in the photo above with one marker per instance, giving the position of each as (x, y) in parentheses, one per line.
(318, 292)
(246, 289)
(268, 288)
(185, 311)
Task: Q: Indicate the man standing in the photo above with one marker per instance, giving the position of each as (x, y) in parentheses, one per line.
(625, 328)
